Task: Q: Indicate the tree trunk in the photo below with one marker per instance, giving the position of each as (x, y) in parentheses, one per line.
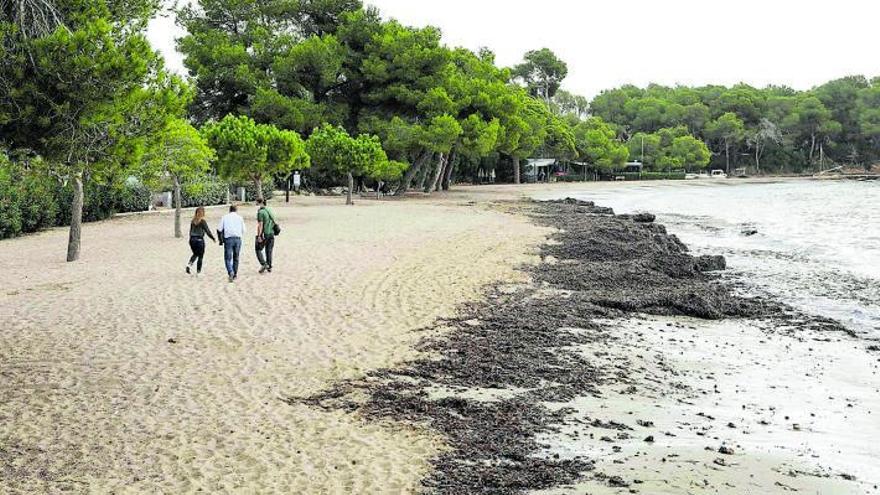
(812, 147)
(438, 178)
(76, 214)
(515, 160)
(758, 160)
(258, 182)
(450, 168)
(423, 176)
(411, 173)
(434, 185)
(177, 207)
(348, 199)
(727, 156)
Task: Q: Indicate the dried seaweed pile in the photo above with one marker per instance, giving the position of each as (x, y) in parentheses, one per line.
(632, 264)
(523, 342)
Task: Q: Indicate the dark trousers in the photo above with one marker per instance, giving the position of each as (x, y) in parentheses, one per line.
(197, 244)
(268, 245)
(231, 250)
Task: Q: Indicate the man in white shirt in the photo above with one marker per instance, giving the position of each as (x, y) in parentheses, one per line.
(232, 231)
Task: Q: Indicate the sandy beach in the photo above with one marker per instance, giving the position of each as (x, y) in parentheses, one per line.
(122, 374)
(95, 398)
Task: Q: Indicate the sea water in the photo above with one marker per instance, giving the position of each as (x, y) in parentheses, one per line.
(813, 244)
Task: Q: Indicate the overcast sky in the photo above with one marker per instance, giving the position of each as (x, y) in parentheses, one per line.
(693, 42)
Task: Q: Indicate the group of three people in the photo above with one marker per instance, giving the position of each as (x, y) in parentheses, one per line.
(230, 233)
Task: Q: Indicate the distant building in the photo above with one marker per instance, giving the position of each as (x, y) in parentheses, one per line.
(539, 169)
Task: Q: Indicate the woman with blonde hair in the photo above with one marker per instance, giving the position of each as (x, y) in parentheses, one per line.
(198, 228)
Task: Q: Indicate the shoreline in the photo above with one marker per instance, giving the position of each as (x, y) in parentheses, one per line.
(444, 343)
(528, 369)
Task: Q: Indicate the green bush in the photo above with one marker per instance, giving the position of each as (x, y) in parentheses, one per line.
(251, 190)
(27, 202)
(10, 202)
(39, 207)
(98, 203)
(102, 201)
(133, 196)
(204, 191)
(31, 200)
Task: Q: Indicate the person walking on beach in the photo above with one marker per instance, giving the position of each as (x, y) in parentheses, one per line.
(198, 229)
(265, 236)
(231, 229)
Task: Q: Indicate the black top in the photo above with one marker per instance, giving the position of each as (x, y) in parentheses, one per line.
(200, 230)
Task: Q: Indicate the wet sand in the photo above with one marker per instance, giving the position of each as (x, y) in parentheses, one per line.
(797, 412)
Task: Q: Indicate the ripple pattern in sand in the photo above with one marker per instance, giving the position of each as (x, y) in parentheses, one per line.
(95, 399)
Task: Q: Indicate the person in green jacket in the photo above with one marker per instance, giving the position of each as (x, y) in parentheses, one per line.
(265, 236)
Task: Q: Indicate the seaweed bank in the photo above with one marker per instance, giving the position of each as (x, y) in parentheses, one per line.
(504, 382)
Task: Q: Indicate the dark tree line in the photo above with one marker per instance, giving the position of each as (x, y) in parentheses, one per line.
(774, 129)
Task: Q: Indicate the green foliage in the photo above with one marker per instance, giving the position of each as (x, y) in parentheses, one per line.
(646, 148)
(252, 192)
(783, 126)
(86, 94)
(203, 190)
(389, 170)
(560, 141)
(523, 122)
(569, 104)
(250, 151)
(10, 200)
(27, 196)
(726, 128)
(607, 174)
(671, 147)
(133, 196)
(31, 200)
(233, 59)
(810, 124)
(542, 72)
(333, 150)
(478, 137)
(178, 151)
(652, 114)
(869, 114)
(440, 134)
(103, 200)
(597, 145)
(686, 151)
(347, 67)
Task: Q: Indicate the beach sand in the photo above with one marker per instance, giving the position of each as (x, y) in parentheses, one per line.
(120, 373)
